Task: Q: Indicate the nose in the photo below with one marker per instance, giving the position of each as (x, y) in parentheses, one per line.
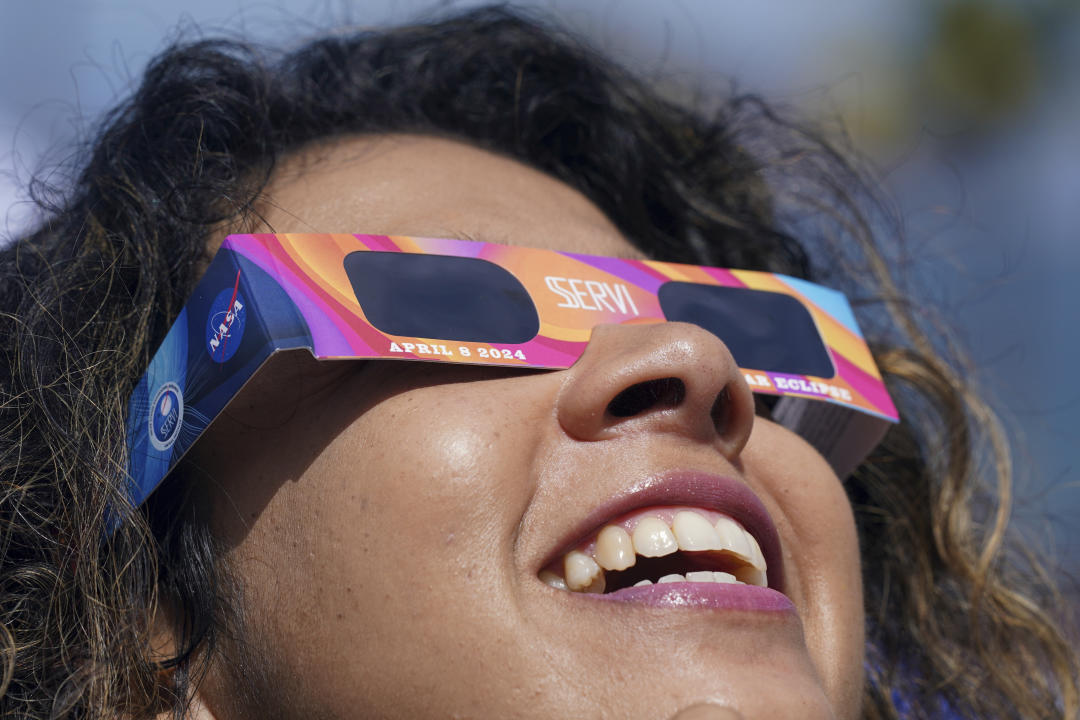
(665, 377)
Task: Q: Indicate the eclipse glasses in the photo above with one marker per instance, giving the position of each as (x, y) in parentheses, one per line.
(439, 300)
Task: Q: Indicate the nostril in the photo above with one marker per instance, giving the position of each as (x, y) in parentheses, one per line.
(721, 411)
(636, 399)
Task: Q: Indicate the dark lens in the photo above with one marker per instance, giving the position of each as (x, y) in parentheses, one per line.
(764, 330)
(442, 297)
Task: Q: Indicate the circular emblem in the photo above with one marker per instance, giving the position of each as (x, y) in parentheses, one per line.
(225, 325)
(166, 416)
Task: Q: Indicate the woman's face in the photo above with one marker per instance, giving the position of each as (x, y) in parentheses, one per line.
(391, 522)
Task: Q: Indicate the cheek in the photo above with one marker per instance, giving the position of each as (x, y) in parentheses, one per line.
(403, 519)
(430, 451)
(421, 484)
(821, 555)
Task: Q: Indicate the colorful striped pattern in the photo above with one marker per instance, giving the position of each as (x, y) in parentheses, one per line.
(310, 269)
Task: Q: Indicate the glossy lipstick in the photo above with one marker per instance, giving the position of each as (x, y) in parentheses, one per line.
(715, 596)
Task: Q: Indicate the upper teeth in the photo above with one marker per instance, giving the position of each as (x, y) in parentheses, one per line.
(655, 533)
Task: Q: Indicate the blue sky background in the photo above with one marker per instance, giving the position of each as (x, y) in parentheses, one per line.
(989, 185)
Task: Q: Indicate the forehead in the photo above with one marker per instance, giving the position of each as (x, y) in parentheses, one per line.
(433, 187)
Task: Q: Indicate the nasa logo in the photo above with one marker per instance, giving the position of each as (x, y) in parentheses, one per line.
(225, 323)
(166, 416)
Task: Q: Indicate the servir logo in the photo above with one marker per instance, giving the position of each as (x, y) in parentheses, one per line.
(592, 295)
(166, 416)
(225, 323)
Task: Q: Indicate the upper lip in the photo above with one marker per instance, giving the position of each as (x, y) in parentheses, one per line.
(697, 489)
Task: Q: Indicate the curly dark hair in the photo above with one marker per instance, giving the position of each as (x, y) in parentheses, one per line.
(958, 618)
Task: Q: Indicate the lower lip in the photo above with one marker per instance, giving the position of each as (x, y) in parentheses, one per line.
(713, 596)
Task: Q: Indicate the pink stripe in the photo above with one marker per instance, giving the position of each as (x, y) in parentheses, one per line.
(869, 387)
(242, 243)
(361, 337)
(379, 242)
(724, 277)
(331, 335)
(551, 353)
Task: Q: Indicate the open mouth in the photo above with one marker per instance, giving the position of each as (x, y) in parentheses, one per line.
(659, 545)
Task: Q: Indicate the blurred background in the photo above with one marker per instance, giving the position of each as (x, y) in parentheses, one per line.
(971, 108)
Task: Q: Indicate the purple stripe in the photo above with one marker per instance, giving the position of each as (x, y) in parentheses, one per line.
(632, 271)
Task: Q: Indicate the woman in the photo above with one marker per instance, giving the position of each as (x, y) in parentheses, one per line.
(369, 539)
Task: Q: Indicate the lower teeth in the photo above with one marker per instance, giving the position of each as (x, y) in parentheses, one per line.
(722, 578)
(597, 585)
(581, 573)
